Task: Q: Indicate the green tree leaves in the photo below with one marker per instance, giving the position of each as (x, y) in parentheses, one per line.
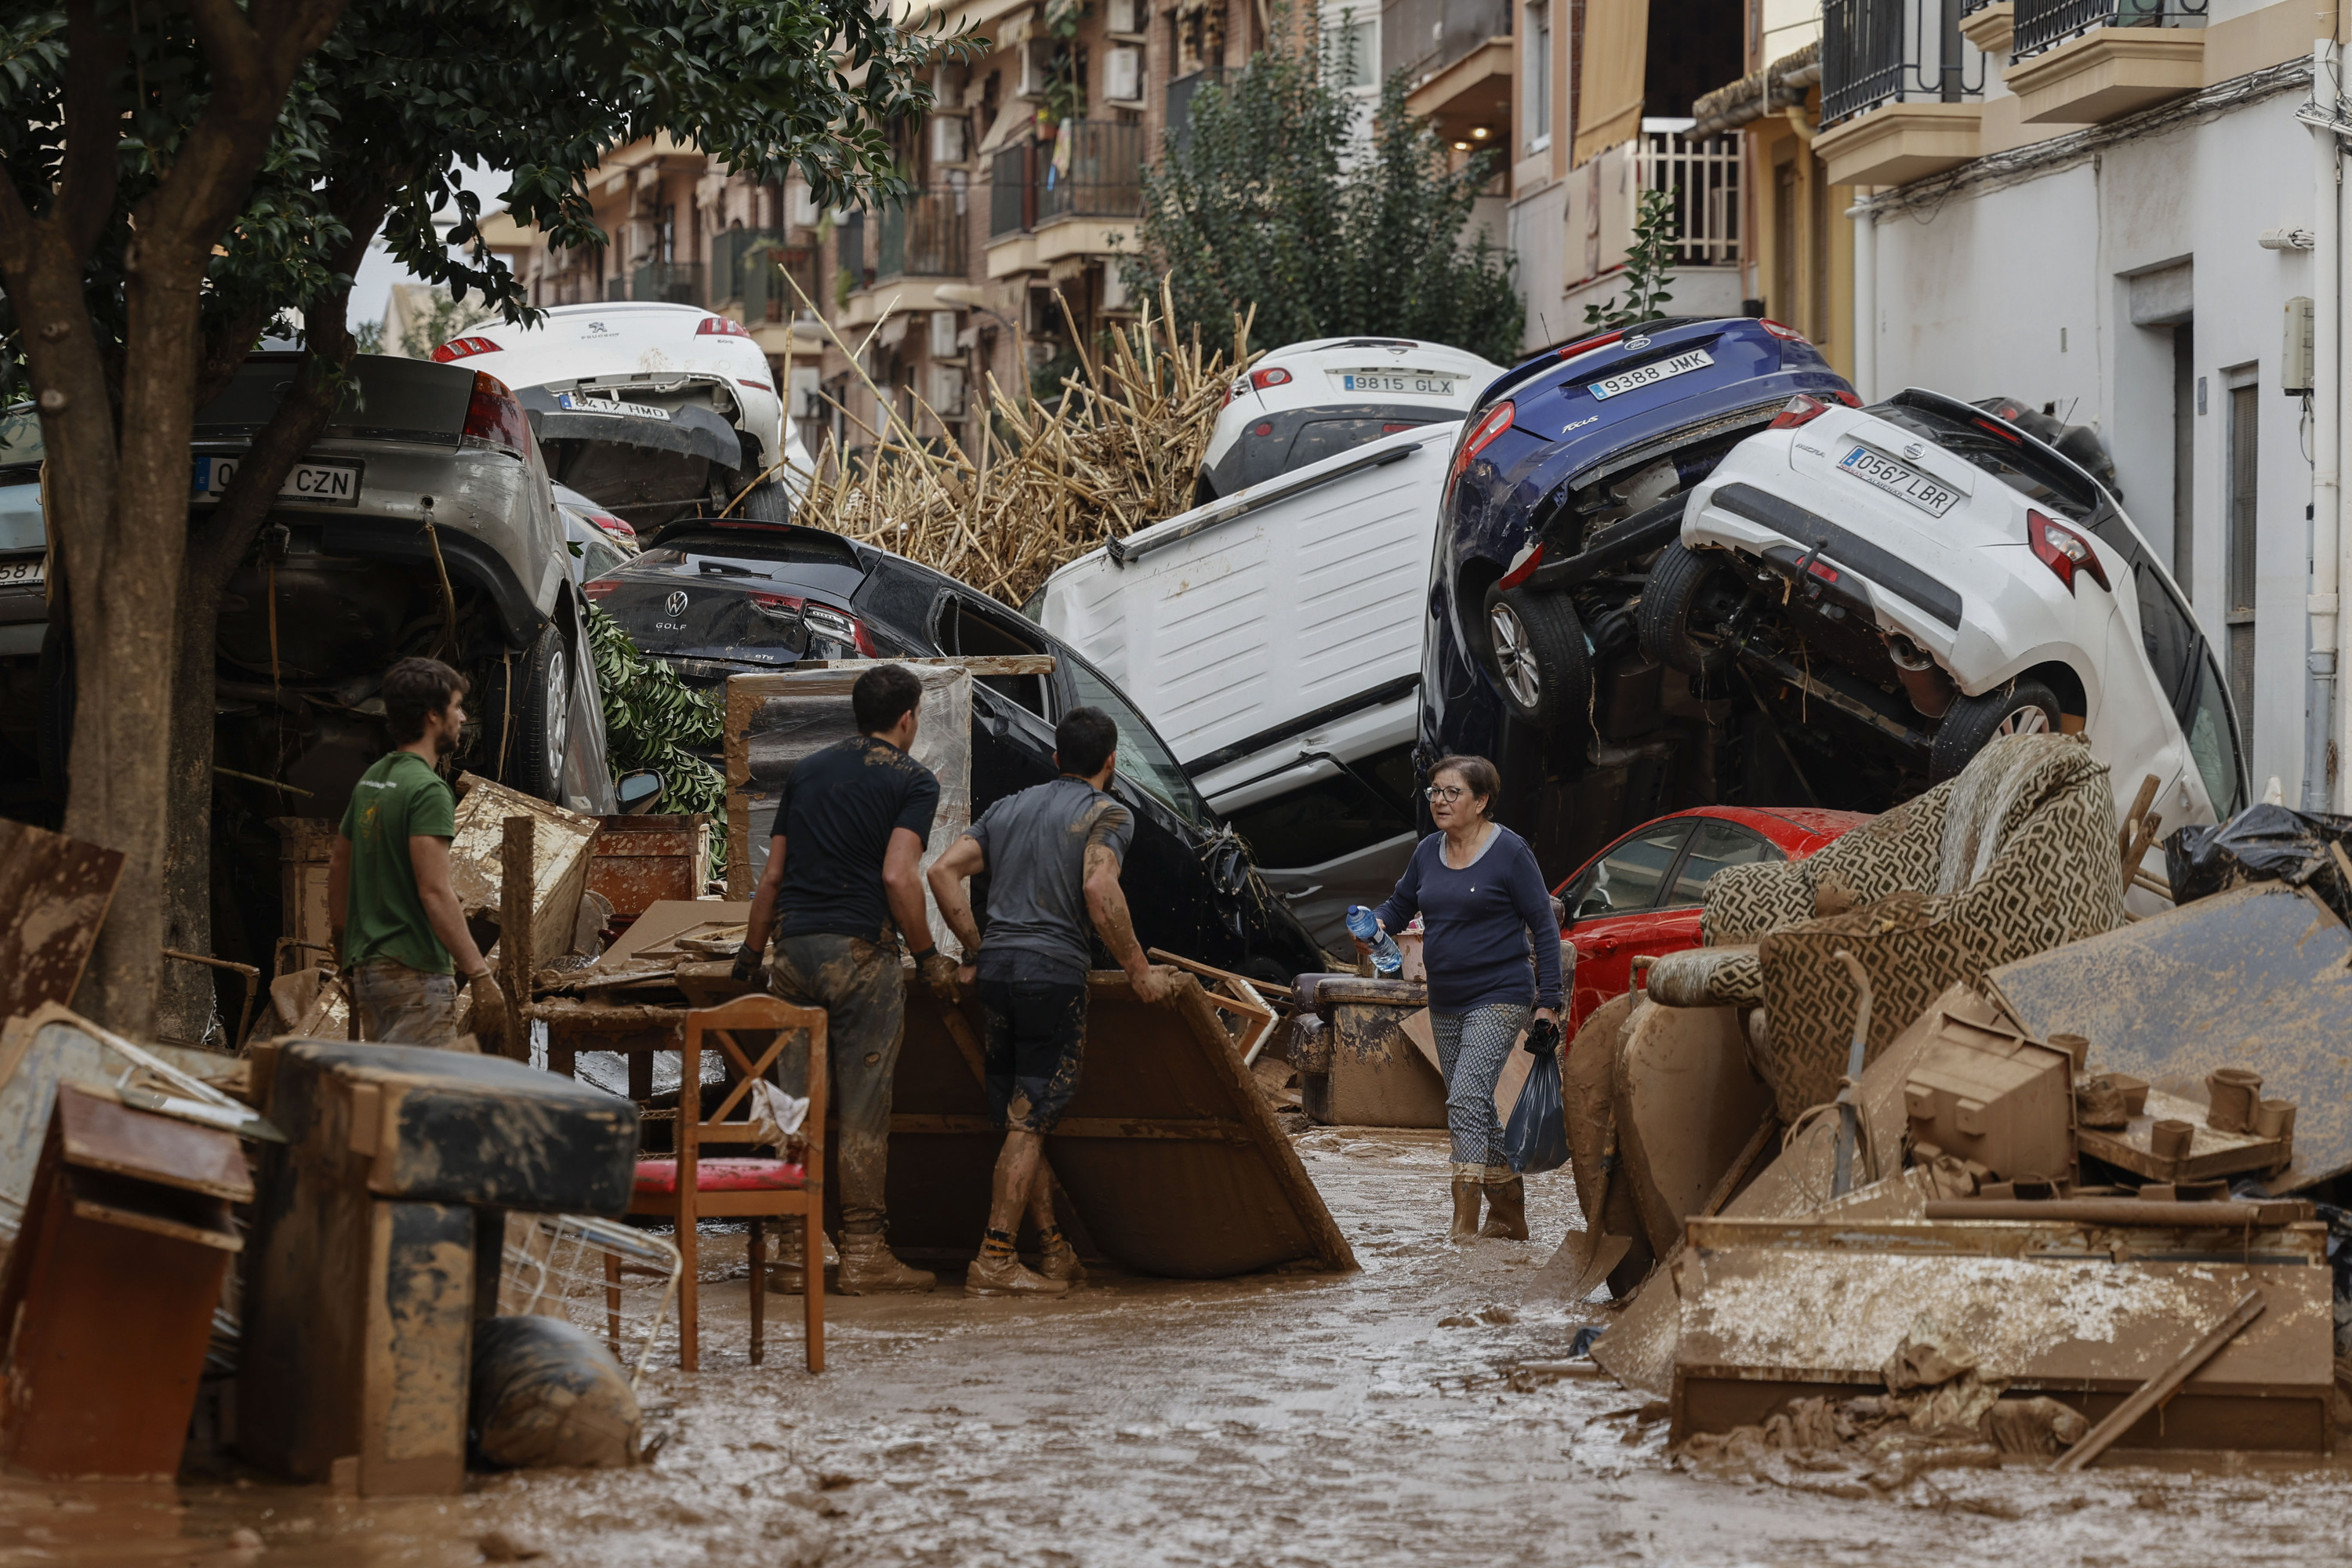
(1649, 266)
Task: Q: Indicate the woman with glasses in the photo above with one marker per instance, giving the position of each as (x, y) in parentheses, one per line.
(1483, 908)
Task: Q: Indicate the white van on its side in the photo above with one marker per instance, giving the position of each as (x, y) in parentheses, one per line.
(1273, 637)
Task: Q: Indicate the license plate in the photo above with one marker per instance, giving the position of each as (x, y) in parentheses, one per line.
(1931, 496)
(23, 573)
(610, 405)
(1651, 374)
(319, 484)
(1410, 383)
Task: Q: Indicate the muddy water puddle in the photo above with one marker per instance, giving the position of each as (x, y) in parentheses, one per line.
(1279, 1421)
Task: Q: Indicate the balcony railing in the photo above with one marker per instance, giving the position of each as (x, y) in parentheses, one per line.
(1434, 33)
(849, 249)
(1093, 171)
(1179, 101)
(1011, 193)
(924, 238)
(752, 265)
(2045, 24)
(671, 282)
(1704, 176)
(1887, 51)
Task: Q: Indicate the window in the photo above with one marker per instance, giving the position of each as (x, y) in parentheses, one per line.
(1716, 846)
(1538, 75)
(1351, 45)
(1628, 875)
(2238, 546)
(2211, 745)
(967, 631)
(1142, 756)
(1982, 445)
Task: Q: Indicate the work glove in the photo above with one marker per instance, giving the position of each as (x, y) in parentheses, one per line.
(489, 1012)
(747, 963)
(938, 972)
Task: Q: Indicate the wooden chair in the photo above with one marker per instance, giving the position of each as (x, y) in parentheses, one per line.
(690, 1188)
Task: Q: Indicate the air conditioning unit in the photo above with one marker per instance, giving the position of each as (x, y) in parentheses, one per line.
(807, 401)
(947, 138)
(1130, 18)
(946, 391)
(1123, 75)
(944, 335)
(800, 206)
(1035, 56)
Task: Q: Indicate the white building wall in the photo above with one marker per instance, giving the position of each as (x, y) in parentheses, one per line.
(1537, 237)
(2025, 291)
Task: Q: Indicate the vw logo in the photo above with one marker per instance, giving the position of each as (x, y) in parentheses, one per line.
(1636, 342)
(1912, 449)
(676, 603)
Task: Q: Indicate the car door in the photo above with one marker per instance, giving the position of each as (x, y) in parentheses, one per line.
(1612, 910)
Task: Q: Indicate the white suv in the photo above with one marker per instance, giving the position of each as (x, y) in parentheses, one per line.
(1926, 576)
(1309, 401)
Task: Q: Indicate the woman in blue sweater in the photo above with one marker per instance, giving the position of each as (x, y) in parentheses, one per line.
(1482, 908)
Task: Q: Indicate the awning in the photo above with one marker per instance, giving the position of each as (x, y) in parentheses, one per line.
(1609, 89)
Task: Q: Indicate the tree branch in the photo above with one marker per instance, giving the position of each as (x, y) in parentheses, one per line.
(85, 197)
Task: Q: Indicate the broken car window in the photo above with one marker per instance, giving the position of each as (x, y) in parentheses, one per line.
(2006, 458)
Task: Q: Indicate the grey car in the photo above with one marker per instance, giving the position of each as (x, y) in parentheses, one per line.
(422, 523)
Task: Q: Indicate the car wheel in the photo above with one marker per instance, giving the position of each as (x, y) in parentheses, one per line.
(540, 731)
(1538, 653)
(1688, 590)
(1972, 723)
(768, 502)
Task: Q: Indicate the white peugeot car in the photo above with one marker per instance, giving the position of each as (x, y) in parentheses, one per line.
(1929, 576)
(659, 411)
(1310, 401)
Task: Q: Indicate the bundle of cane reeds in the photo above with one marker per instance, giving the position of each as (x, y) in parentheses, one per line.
(1117, 450)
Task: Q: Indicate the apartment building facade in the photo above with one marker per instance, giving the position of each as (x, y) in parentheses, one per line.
(2108, 208)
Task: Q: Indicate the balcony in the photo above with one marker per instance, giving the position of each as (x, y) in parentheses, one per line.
(670, 282)
(1900, 100)
(750, 267)
(1704, 176)
(2080, 62)
(849, 252)
(1094, 170)
(1012, 193)
(1180, 100)
(923, 238)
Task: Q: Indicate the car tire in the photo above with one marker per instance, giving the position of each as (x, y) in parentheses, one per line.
(538, 733)
(1680, 585)
(1537, 654)
(768, 502)
(1972, 723)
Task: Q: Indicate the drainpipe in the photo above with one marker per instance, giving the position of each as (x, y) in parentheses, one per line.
(1866, 301)
(2321, 723)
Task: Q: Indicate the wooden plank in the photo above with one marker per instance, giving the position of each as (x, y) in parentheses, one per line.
(2299, 1243)
(2151, 1394)
(517, 945)
(53, 895)
(1202, 1131)
(103, 1134)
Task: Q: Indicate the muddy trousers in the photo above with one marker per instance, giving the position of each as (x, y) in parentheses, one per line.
(864, 993)
(1471, 1048)
(403, 1007)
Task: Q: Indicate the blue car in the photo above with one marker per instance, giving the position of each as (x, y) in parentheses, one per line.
(1570, 477)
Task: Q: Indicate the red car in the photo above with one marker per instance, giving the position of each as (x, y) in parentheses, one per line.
(1642, 894)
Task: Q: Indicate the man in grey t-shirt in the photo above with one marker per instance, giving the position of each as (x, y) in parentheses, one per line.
(1052, 854)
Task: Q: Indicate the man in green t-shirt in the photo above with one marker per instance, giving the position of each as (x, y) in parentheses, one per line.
(399, 933)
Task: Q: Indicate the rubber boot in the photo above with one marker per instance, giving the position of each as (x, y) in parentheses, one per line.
(1506, 1210)
(993, 1275)
(785, 1276)
(869, 1268)
(1467, 1190)
(1057, 1260)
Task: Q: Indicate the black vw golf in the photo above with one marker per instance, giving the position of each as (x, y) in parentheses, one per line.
(720, 597)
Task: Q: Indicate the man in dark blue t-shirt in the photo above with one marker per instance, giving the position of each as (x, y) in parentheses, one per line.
(844, 866)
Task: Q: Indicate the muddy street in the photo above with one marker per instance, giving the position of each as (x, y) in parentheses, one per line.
(1301, 1420)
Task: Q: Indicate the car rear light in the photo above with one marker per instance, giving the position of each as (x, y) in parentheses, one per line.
(616, 527)
(493, 418)
(1262, 427)
(1802, 409)
(840, 627)
(1492, 423)
(1586, 345)
(1523, 565)
(2010, 436)
(461, 348)
(2063, 551)
(719, 327)
(599, 587)
(1785, 334)
(1234, 389)
(1274, 376)
(755, 385)
(777, 606)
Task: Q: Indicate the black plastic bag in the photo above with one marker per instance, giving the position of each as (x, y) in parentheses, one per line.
(1537, 1138)
(546, 1393)
(2261, 844)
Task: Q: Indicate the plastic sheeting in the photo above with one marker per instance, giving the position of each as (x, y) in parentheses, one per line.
(2262, 844)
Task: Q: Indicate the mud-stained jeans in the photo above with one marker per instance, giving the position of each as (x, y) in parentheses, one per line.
(403, 1007)
(864, 993)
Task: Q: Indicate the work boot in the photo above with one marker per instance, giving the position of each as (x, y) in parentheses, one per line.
(1057, 1258)
(1467, 1190)
(1506, 1210)
(786, 1274)
(869, 1268)
(994, 1275)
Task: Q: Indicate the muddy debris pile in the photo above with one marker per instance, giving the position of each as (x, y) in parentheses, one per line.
(2076, 1202)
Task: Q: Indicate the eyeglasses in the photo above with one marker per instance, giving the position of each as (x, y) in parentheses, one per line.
(1445, 792)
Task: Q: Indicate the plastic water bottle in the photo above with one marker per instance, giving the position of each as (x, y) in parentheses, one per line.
(1365, 927)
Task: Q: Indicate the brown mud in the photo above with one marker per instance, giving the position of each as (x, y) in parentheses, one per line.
(1297, 1420)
